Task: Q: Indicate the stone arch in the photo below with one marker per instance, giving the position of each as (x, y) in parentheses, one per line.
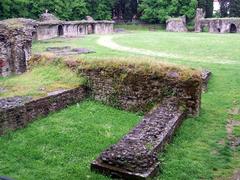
(60, 30)
(91, 29)
(34, 35)
(233, 28)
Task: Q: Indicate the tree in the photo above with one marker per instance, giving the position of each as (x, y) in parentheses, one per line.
(234, 8)
(155, 11)
(100, 9)
(224, 7)
(207, 6)
(125, 9)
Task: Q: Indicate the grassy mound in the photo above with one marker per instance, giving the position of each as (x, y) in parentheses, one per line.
(41, 80)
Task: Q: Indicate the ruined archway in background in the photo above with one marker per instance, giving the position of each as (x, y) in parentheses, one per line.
(60, 30)
(233, 28)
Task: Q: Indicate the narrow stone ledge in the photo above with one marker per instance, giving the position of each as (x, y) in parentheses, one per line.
(135, 156)
(206, 75)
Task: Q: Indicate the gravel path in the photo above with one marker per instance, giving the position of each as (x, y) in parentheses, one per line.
(107, 41)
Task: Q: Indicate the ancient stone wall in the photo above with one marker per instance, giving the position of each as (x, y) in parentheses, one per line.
(104, 27)
(17, 112)
(15, 46)
(124, 87)
(216, 25)
(50, 26)
(47, 31)
(176, 24)
(135, 156)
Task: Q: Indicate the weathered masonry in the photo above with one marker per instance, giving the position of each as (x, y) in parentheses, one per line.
(216, 25)
(16, 37)
(15, 45)
(165, 93)
(50, 26)
(176, 24)
(170, 94)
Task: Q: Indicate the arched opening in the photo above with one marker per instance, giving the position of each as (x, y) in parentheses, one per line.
(34, 35)
(233, 28)
(91, 29)
(60, 30)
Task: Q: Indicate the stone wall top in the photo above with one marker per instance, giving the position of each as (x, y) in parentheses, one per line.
(74, 22)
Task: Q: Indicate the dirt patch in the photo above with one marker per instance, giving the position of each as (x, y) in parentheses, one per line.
(236, 175)
(233, 140)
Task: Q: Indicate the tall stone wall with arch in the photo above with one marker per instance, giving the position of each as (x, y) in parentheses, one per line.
(216, 25)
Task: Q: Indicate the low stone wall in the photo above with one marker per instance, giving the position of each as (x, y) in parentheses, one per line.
(216, 25)
(139, 88)
(135, 156)
(17, 112)
(52, 29)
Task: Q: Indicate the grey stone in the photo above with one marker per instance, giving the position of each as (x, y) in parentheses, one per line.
(17, 112)
(134, 157)
(216, 25)
(15, 45)
(67, 50)
(176, 24)
(2, 90)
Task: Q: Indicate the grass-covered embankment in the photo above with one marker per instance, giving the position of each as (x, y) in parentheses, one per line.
(40, 80)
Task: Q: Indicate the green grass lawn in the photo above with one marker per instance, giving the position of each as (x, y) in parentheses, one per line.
(200, 149)
(40, 81)
(63, 145)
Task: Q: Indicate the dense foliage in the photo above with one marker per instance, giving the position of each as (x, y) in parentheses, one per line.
(65, 9)
(207, 6)
(159, 10)
(151, 11)
(234, 8)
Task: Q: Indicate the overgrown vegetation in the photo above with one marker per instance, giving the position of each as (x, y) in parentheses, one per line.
(40, 81)
(150, 11)
(141, 66)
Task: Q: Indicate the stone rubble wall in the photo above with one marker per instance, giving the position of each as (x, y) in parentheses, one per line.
(17, 112)
(135, 156)
(215, 25)
(176, 24)
(15, 49)
(48, 30)
(138, 91)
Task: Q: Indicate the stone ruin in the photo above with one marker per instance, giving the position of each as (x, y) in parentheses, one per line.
(16, 37)
(67, 51)
(166, 96)
(15, 45)
(176, 24)
(50, 26)
(216, 25)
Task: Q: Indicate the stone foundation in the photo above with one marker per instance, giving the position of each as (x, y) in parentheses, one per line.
(135, 156)
(50, 27)
(127, 88)
(206, 75)
(216, 25)
(17, 112)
